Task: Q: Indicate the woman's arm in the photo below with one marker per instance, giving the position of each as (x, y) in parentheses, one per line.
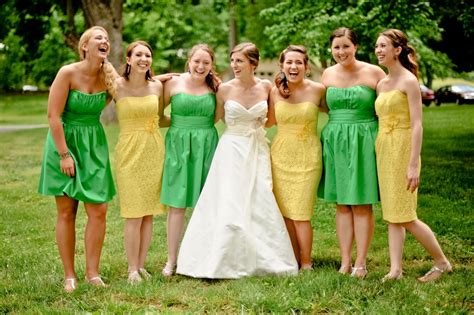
(165, 120)
(271, 118)
(220, 99)
(415, 107)
(56, 102)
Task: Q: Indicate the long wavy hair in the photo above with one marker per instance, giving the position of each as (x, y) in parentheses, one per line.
(128, 68)
(281, 81)
(212, 79)
(407, 56)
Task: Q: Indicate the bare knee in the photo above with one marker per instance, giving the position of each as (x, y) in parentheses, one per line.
(96, 212)
(362, 210)
(343, 209)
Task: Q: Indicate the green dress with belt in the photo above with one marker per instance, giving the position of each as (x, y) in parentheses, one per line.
(189, 148)
(87, 144)
(349, 172)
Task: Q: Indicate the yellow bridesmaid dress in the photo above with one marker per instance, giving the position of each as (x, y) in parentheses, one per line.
(139, 157)
(393, 149)
(296, 159)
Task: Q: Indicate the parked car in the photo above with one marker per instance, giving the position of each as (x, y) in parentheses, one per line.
(427, 95)
(29, 88)
(456, 93)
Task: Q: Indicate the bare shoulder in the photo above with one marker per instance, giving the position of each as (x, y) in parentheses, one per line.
(315, 85)
(328, 74)
(266, 84)
(373, 69)
(411, 81)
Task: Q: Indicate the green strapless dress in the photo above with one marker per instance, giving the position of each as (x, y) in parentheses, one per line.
(189, 147)
(86, 141)
(349, 172)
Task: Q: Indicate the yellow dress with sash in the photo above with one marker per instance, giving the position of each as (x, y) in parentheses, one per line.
(296, 159)
(393, 149)
(139, 157)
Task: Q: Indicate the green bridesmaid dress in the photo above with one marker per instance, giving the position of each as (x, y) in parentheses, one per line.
(349, 172)
(189, 147)
(87, 144)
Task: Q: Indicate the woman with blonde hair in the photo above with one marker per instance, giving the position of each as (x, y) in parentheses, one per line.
(76, 163)
(398, 149)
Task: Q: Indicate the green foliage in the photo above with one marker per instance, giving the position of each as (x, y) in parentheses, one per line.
(53, 52)
(12, 67)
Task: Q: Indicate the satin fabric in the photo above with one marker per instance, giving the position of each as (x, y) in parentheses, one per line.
(349, 174)
(190, 144)
(236, 229)
(87, 144)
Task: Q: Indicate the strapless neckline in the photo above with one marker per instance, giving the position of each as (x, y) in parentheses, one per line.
(249, 108)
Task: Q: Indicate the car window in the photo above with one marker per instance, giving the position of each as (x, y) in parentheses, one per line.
(462, 88)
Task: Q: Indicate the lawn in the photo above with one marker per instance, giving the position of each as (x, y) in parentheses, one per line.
(31, 273)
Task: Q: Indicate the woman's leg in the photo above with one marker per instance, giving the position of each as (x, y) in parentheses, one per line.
(132, 242)
(345, 235)
(290, 226)
(363, 219)
(146, 232)
(66, 237)
(175, 225)
(94, 238)
(304, 235)
(396, 239)
(426, 237)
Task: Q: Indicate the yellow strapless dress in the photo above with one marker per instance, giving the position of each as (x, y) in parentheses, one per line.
(296, 159)
(139, 157)
(393, 148)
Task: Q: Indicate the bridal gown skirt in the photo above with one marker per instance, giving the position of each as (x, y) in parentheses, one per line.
(237, 229)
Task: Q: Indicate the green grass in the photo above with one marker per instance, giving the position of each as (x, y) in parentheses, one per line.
(25, 109)
(31, 273)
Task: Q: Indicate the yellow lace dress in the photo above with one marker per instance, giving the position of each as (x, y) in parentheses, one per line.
(296, 159)
(393, 148)
(139, 156)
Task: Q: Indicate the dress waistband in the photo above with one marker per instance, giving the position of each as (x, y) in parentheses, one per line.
(351, 116)
(302, 131)
(180, 121)
(80, 119)
(390, 123)
(139, 124)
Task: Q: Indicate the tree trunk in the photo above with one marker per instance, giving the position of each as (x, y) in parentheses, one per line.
(108, 14)
(232, 25)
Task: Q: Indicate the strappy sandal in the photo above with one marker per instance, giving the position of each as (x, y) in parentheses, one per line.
(435, 273)
(144, 273)
(134, 277)
(96, 281)
(345, 270)
(70, 284)
(359, 272)
(389, 276)
(168, 270)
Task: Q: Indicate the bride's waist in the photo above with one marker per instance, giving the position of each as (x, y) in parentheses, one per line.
(244, 129)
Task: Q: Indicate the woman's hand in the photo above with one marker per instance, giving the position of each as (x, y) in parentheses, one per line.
(67, 166)
(413, 178)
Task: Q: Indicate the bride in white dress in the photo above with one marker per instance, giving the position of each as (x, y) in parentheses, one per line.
(236, 229)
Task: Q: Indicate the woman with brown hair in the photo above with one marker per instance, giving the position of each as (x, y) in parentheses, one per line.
(398, 149)
(236, 229)
(296, 149)
(190, 141)
(139, 153)
(349, 176)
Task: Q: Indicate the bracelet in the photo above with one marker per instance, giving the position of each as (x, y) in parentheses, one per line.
(64, 155)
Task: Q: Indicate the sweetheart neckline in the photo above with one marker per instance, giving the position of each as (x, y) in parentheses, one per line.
(247, 109)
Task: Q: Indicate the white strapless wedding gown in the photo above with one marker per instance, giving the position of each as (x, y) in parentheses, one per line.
(236, 228)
